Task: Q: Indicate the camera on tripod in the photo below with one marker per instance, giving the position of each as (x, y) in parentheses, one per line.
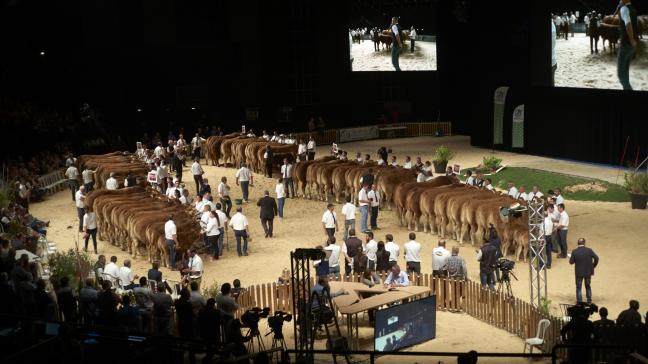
(252, 317)
(582, 309)
(506, 267)
(276, 322)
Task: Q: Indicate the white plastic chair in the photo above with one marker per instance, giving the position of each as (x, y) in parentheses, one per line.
(539, 338)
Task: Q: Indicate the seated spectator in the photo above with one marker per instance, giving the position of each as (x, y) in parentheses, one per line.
(196, 298)
(237, 290)
(225, 302)
(128, 316)
(162, 303)
(67, 301)
(88, 300)
(209, 321)
(184, 314)
(126, 276)
(631, 316)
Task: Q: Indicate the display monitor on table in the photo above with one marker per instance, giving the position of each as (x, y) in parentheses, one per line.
(374, 46)
(600, 46)
(404, 325)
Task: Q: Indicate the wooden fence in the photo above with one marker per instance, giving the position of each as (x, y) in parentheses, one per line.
(464, 296)
(408, 130)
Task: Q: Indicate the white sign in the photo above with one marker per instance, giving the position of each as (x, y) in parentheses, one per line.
(500, 94)
(361, 133)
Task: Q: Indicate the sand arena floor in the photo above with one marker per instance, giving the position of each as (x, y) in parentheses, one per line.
(617, 234)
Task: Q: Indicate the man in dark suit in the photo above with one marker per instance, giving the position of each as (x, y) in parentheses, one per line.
(585, 260)
(268, 212)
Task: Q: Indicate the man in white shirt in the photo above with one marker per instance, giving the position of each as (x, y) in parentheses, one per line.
(239, 224)
(394, 161)
(572, 23)
(301, 150)
(90, 228)
(281, 197)
(374, 202)
(171, 238)
(513, 191)
(222, 218)
(195, 267)
(111, 182)
(408, 163)
(412, 37)
(371, 247)
(126, 276)
(535, 193)
(223, 194)
(396, 278)
(111, 271)
(334, 259)
(265, 135)
(363, 201)
(563, 226)
(548, 226)
(348, 210)
(329, 221)
(359, 158)
(470, 180)
(158, 152)
(197, 144)
(162, 175)
(421, 176)
(72, 173)
(244, 178)
(439, 256)
(88, 179)
(197, 172)
(523, 195)
(79, 200)
(559, 197)
(628, 32)
(392, 248)
(488, 184)
(286, 174)
(170, 192)
(397, 44)
(310, 148)
(413, 254)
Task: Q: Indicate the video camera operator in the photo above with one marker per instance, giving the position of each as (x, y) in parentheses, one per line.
(579, 331)
(234, 340)
(487, 258)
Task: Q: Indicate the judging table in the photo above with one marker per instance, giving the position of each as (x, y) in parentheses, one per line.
(362, 298)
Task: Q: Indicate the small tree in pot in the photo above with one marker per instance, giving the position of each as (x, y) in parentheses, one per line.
(442, 155)
(637, 184)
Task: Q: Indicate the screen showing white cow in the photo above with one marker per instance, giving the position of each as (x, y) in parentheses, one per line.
(602, 47)
(386, 37)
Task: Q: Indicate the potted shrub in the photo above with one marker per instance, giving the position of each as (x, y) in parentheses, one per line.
(491, 164)
(441, 157)
(637, 185)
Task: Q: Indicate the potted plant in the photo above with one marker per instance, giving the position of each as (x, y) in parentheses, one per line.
(441, 157)
(637, 185)
(491, 163)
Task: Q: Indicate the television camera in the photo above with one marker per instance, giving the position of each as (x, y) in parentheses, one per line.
(506, 267)
(252, 317)
(276, 323)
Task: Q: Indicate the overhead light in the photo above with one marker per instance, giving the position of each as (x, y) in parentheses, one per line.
(193, 108)
(42, 53)
(139, 110)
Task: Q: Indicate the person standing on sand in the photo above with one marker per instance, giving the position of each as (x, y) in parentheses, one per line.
(628, 41)
(397, 44)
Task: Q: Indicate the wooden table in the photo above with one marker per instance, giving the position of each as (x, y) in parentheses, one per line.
(374, 297)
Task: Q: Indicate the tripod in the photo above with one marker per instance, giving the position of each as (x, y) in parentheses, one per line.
(324, 316)
(504, 284)
(255, 335)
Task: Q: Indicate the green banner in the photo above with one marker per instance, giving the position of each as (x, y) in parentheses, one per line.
(518, 127)
(498, 115)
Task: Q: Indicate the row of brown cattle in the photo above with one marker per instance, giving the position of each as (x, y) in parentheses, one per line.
(443, 205)
(134, 217)
(234, 149)
(119, 163)
(608, 29)
(452, 209)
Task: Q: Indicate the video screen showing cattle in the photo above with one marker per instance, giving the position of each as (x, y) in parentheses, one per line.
(604, 46)
(392, 36)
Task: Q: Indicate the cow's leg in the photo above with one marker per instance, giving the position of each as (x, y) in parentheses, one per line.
(417, 222)
(464, 230)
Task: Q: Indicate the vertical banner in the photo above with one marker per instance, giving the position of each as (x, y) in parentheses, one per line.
(498, 115)
(518, 127)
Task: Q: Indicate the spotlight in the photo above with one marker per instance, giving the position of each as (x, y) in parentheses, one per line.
(139, 110)
(193, 108)
(42, 53)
